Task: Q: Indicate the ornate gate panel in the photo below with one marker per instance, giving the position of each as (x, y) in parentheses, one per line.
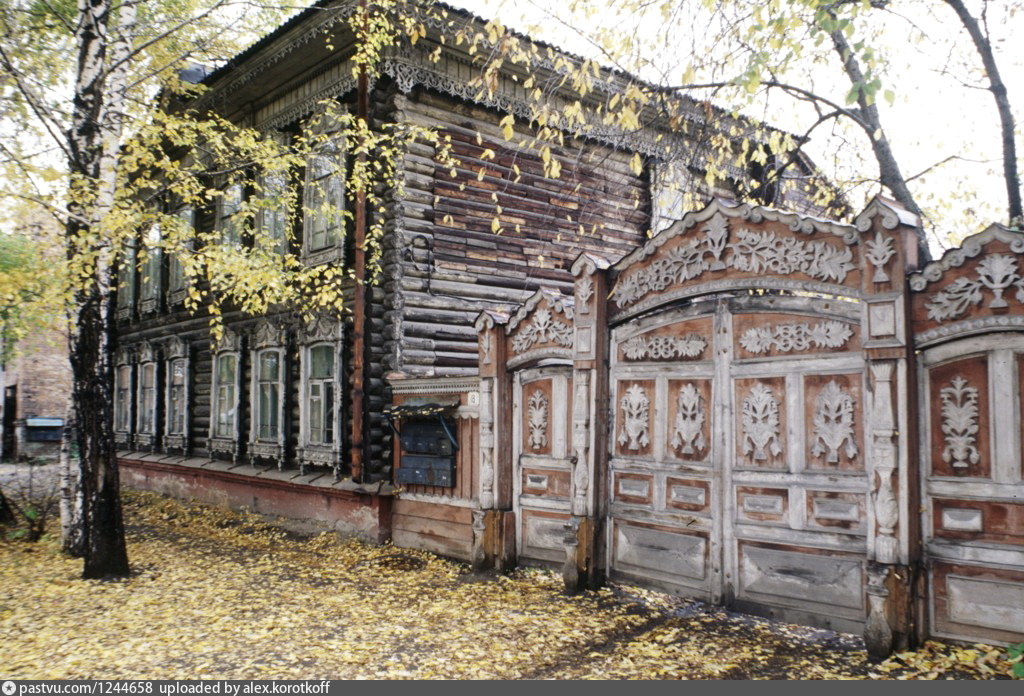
(968, 316)
(664, 485)
(543, 472)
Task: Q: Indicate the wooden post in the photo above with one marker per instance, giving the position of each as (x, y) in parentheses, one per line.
(359, 346)
(583, 557)
(888, 251)
(489, 538)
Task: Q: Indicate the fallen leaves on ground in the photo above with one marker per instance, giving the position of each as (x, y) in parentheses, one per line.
(228, 595)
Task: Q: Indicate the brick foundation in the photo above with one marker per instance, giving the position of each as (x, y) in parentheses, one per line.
(358, 510)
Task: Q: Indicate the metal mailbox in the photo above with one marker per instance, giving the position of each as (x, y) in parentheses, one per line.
(428, 443)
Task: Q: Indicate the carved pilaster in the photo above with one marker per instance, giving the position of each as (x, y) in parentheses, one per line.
(486, 443)
(581, 443)
(883, 464)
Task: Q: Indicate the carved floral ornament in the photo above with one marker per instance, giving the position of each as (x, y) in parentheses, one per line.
(542, 328)
(761, 423)
(688, 432)
(787, 338)
(742, 249)
(833, 424)
(996, 273)
(538, 420)
(635, 415)
(584, 291)
(664, 347)
(960, 423)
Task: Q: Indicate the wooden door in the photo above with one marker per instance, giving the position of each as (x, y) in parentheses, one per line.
(543, 472)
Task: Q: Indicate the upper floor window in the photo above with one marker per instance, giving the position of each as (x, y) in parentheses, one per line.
(150, 294)
(229, 218)
(126, 282)
(324, 197)
(176, 281)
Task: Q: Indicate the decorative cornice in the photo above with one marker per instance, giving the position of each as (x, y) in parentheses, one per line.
(176, 347)
(547, 352)
(743, 211)
(267, 335)
(229, 341)
(488, 319)
(971, 247)
(435, 385)
(968, 327)
(321, 329)
(588, 263)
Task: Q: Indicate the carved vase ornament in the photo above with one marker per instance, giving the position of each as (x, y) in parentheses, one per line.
(688, 434)
(960, 423)
(584, 291)
(635, 414)
(996, 272)
(833, 424)
(879, 251)
(761, 423)
(542, 329)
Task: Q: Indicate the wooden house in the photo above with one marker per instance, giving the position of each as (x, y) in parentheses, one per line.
(742, 426)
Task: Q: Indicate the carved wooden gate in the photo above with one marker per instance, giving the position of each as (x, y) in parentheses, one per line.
(968, 312)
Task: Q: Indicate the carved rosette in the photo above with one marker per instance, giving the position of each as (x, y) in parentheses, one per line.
(486, 444)
(580, 443)
(883, 461)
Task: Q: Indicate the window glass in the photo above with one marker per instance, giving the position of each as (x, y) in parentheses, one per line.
(320, 395)
(228, 219)
(176, 398)
(269, 391)
(147, 398)
(325, 197)
(224, 421)
(126, 279)
(151, 269)
(175, 271)
(122, 398)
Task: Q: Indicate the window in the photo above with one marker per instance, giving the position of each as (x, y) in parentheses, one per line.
(229, 219)
(268, 392)
(126, 283)
(225, 396)
(320, 395)
(149, 297)
(324, 196)
(123, 398)
(176, 281)
(176, 376)
(147, 399)
(273, 217)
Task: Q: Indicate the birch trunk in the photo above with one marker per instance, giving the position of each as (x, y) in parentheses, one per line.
(71, 528)
(97, 123)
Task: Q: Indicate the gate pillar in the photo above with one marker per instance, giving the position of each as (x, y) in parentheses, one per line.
(583, 550)
(493, 520)
(888, 251)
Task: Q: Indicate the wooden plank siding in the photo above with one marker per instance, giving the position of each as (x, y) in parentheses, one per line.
(457, 266)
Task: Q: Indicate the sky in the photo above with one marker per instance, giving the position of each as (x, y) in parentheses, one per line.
(941, 121)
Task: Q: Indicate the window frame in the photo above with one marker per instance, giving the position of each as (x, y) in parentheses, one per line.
(176, 293)
(230, 345)
(123, 417)
(323, 331)
(176, 351)
(127, 284)
(146, 439)
(268, 339)
(314, 256)
(151, 273)
(228, 225)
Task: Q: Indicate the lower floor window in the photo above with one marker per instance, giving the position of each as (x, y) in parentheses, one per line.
(321, 395)
(226, 376)
(123, 399)
(176, 398)
(269, 391)
(147, 398)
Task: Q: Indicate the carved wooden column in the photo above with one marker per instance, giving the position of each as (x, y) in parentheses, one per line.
(583, 556)
(491, 546)
(888, 251)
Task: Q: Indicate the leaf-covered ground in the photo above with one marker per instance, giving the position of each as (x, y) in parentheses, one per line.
(228, 595)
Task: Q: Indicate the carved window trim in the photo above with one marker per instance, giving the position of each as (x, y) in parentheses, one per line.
(126, 282)
(151, 280)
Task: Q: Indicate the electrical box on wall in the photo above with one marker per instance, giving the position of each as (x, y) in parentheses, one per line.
(427, 437)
